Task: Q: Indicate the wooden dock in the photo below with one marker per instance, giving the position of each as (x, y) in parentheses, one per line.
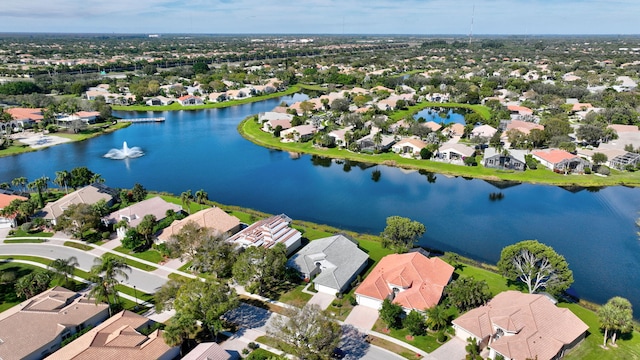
(143, 120)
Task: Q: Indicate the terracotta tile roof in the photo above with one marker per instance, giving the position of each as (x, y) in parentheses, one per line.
(84, 114)
(554, 156)
(90, 194)
(434, 126)
(624, 128)
(420, 279)
(213, 218)
(523, 126)
(538, 329)
(520, 109)
(419, 144)
(457, 129)
(581, 106)
(207, 351)
(5, 199)
(34, 114)
(39, 322)
(117, 338)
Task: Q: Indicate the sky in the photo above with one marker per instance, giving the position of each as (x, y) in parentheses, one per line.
(423, 17)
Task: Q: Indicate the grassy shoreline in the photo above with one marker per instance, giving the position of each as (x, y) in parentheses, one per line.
(251, 131)
(23, 148)
(176, 107)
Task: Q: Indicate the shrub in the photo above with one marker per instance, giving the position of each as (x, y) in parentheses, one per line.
(531, 162)
(441, 336)
(470, 161)
(52, 128)
(105, 235)
(630, 167)
(587, 170)
(26, 227)
(245, 351)
(352, 300)
(603, 170)
(253, 345)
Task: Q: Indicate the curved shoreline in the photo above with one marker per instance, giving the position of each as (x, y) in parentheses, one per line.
(250, 130)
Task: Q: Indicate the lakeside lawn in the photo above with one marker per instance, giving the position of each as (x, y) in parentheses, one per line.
(251, 130)
(176, 106)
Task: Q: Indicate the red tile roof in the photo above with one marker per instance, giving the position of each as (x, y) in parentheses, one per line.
(523, 126)
(5, 199)
(554, 156)
(520, 109)
(34, 114)
(538, 329)
(420, 279)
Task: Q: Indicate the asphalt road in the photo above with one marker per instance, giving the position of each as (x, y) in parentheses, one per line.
(142, 280)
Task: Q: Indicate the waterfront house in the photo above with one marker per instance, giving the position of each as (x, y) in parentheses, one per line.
(367, 143)
(271, 125)
(89, 195)
(454, 152)
(22, 117)
(189, 100)
(214, 219)
(507, 160)
(409, 146)
(330, 263)
(119, 337)
(8, 221)
(413, 281)
(338, 136)
(160, 101)
(454, 129)
(269, 232)
(517, 326)
(560, 161)
(432, 125)
(37, 326)
(298, 133)
(134, 214)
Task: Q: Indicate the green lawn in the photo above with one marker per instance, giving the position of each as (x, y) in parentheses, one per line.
(133, 263)
(496, 282)
(93, 131)
(295, 296)
(142, 297)
(8, 297)
(250, 129)
(628, 346)
(426, 342)
(150, 255)
(79, 246)
(21, 233)
(24, 241)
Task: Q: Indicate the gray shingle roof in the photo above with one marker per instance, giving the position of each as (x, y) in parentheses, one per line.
(339, 260)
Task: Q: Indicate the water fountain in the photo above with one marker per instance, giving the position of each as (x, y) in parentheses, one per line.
(124, 153)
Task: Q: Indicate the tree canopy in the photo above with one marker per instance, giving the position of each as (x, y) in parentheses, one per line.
(615, 316)
(401, 233)
(467, 293)
(537, 265)
(261, 270)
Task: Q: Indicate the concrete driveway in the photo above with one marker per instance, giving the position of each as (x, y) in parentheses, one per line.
(143, 280)
(362, 317)
(321, 299)
(451, 350)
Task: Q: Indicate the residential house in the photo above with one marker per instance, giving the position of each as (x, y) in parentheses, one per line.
(119, 337)
(485, 131)
(432, 125)
(412, 280)
(271, 125)
(36, 327)
(134, 214)
(298, 133)
(338, 136)
(22, 117)
(367, 143)
(238, 94)
(560, 161)
(454, 152)
(331, 263)
(454, 129)
(189, 100)
(269, 232)
(208, 351)
(524, 127)
(399, 125)
(8, 221)
(517, 326)
(409, 146)
(215, 219)
(217, 96)
(86, 117)
(616, 158)
(507, 160)
(273, 115)
(160, 101)
(90, 194)
(519, 110)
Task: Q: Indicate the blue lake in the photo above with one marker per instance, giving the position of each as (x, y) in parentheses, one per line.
(595, 231)
(445, 116)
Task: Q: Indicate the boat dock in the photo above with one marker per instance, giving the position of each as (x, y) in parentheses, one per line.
(143, 120)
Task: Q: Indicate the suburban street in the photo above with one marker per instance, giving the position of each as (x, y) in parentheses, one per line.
(142, 280)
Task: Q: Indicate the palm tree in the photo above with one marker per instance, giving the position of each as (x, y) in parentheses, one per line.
(186, 197)
(40, 185)
(437, 317)
(201, 197)
(110, 268)
(97, 178)
(20, 182)
(100, 291)
(62, 179)
(377, 140)
(64, 268)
